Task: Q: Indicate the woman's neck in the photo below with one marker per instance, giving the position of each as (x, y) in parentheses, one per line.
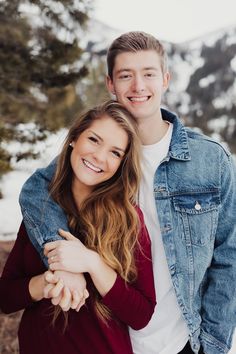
(80, 193)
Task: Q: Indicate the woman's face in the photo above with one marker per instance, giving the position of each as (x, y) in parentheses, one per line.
(97, 154)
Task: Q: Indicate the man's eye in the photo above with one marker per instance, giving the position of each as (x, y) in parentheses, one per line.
(123, 77)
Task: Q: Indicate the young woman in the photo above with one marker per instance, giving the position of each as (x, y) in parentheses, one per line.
(96, 183)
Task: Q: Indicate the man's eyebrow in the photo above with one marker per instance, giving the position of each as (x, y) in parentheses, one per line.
(151, 68)
(121, 70)
(143, 69)
(114, 147)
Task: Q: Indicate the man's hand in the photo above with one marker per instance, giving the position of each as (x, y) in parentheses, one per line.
(68, 290)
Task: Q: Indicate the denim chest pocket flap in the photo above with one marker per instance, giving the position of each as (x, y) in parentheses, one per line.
(197, 215)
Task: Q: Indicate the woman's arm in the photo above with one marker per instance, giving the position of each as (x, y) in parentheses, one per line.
(24, 274)
(14, 282)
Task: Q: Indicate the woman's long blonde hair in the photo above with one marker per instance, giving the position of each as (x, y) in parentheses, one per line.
(107, 220)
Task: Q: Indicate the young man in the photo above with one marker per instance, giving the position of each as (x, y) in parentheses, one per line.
(188, 197)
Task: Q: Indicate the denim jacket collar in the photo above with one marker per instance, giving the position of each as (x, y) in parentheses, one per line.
(179, 147)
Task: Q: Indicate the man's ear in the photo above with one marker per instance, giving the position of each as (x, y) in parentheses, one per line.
(166, 80)
(109, 84)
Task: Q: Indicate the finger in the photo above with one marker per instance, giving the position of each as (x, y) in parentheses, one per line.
(76, 298)
(83, 300)
(86, 293)
(52, 253)
(56, 266)
(52, 259)
(46, 290)
(55, 300)
(56, 289)
(66, 299)
(51, 277)
(51, 246)
(67, 235)
(80, 305)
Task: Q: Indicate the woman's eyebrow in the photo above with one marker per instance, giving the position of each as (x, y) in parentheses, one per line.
(100, 138)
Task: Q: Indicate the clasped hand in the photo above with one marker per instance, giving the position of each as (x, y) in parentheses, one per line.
(67, 261)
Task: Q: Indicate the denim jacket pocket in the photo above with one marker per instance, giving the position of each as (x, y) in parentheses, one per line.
(197, 216)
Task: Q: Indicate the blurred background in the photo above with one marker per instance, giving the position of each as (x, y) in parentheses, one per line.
(52, 67)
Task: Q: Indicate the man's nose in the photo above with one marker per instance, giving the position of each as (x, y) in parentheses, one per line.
(138, 84)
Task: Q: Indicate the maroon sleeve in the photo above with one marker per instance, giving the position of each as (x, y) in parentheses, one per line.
(14, 282)
(134, 304)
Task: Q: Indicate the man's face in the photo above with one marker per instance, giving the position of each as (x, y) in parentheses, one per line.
(138, 83)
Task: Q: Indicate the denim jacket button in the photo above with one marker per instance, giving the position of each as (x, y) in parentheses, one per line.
(197, 206)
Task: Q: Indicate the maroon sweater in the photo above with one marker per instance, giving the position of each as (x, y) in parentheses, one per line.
(131, 305)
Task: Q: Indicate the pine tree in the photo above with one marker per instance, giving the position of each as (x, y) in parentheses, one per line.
(41, 63)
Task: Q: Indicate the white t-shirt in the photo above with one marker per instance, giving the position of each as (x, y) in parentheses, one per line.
(167, 332)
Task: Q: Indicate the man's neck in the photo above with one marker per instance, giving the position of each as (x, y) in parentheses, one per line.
(151, 131)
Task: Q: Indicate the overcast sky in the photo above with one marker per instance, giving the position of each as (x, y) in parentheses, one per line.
(171, 20)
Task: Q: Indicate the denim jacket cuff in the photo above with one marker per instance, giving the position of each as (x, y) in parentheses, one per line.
(211, 345)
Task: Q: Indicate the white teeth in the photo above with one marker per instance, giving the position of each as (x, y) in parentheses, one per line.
(138, 99)
(92, 167)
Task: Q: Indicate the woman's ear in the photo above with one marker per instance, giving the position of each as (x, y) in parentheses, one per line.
(72, 144)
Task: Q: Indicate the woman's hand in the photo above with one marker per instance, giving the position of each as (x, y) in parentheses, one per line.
(68, 290)
(36, 287)
(70, 255)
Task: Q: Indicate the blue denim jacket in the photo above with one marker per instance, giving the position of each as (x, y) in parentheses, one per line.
(195, 194)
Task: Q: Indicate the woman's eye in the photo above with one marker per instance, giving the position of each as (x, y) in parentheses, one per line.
(116, 153)
(93, 139)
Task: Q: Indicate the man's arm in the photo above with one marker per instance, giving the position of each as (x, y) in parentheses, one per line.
(219, 299)
(133, 303)
(42, 216)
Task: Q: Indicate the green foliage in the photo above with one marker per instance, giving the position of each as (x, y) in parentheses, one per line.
(93, 87)
(4, 162)
(40, 66)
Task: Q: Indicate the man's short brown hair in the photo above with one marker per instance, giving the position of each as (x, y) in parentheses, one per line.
(133, 42)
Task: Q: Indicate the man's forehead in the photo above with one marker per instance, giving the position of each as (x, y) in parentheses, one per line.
(139, 60)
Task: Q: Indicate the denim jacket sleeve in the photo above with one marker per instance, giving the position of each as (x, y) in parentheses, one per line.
(42, 216)
(219, 299)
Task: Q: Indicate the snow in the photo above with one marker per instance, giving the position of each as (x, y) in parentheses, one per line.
(218, 124)
(233, 64)
(11, 183)
(206, 81)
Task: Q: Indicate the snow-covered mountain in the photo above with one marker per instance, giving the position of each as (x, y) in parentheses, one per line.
(207, 98)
